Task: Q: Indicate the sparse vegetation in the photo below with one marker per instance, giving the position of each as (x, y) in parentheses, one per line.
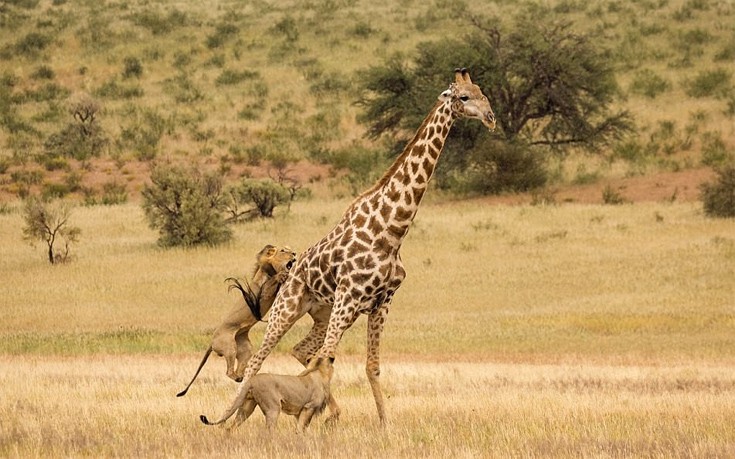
(198, 66)
(49, 222)
(719, 197)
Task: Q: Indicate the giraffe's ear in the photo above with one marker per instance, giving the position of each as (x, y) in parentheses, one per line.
(446, 94)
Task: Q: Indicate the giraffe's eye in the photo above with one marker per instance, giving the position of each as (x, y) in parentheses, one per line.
(464, 98)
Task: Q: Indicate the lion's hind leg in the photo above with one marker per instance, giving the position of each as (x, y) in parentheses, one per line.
(244, 352)
(244, 413)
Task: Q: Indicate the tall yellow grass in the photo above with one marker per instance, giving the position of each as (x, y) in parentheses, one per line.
(102, 406)
(577, 330)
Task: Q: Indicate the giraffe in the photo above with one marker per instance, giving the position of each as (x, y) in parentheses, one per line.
(356, 268)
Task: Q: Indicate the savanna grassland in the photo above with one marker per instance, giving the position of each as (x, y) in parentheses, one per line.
(570, 329)
(526, 331)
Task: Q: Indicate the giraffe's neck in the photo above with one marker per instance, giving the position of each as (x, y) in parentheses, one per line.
(396, 197)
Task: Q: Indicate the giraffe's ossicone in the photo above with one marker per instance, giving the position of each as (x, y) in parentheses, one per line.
(356, 268)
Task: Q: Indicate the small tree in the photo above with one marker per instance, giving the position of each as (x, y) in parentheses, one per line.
(265, 194)
(50, 224)
(82, 138)
(719, 197)
(186, 206)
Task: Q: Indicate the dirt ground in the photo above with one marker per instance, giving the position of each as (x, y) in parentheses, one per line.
(683, 186)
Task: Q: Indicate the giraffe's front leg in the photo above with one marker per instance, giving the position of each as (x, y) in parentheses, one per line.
(308, 347)
(376, 321)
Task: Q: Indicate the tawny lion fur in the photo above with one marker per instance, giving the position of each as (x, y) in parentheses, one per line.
(303, 396)
(231, 338)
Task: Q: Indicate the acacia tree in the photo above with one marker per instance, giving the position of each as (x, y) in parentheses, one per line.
(549, 87)
(50, 224)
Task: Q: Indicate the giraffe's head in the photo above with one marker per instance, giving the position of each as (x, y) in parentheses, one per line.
(467, 99)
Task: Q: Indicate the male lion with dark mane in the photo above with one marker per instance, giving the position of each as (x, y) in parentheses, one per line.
(302, 396)
(230, 340)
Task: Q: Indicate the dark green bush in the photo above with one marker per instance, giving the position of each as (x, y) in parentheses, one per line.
(222, 33)
(649, 84)
(714, 150)
(76, 140)
(232, 77)
(43, 72)
(186, 207)
(719, 197)
(133, 68)
(709, 83)
(32, 43)
(498, 167)
(264, 194)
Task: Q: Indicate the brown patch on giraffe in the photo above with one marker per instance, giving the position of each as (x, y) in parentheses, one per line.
(396, 230)
(408, 198)
(347, 236)
(404, 214)
(359, 220)
(437, 144)
(385, 211)
(364, 262)
(364, 237)
(356, 248)
(393, 193)
(375, 226)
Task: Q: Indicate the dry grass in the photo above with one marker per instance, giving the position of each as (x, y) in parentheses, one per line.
(125, 406)
(578, 330)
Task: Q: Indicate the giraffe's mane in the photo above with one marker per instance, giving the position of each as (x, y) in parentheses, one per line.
(401, 158)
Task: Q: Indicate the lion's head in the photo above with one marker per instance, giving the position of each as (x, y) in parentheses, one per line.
(273, 260)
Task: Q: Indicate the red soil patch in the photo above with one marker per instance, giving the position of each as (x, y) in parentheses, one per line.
(683, 186)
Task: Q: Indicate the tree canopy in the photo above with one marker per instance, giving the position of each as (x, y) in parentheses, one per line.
(549, 87)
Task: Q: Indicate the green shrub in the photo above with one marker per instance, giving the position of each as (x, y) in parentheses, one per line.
(232, 77)
(714, 150)
(54, 190)
(709, 83)
(222, 33)
(185, 206)
(77, 140)
(264, 194)
(111, 89)
(497, 167)
(32, 43)
(158, 24)
(114, 193)
(612, 197)
(133, 68)
(649, 84)
(719, 197)
(43, 72)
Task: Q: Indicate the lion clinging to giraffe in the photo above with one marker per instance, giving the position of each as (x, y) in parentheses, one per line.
(356, 268)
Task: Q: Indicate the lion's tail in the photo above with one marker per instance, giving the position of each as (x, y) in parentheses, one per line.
(201, 364)
(236, 404)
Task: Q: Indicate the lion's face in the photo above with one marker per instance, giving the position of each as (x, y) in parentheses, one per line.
(274, 259)
(282, 259)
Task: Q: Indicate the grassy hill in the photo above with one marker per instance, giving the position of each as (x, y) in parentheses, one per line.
(244, 86)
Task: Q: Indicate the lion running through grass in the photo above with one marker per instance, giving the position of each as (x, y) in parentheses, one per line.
(303, 396)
